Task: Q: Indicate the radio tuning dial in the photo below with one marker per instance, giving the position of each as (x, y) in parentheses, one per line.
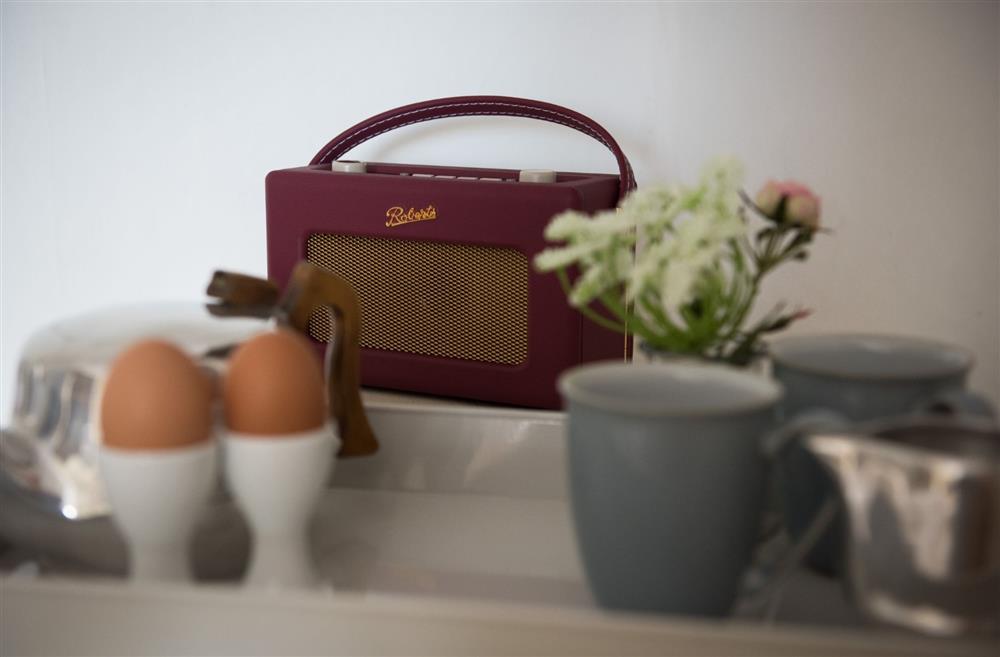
(537, 176)
(348, 166)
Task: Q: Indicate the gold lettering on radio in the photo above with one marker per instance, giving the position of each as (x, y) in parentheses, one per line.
(397, 216)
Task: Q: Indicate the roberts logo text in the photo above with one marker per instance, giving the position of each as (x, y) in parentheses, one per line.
(397, 216)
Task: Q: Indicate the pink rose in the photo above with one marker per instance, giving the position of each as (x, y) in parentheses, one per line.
(769, 197)
(803, 210)
(802, 206)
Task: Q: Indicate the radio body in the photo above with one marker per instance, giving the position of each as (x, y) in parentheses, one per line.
(441, 258)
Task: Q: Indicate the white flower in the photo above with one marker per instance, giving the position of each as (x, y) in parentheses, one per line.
(679, 278)
(683, 230)
(589, 286)
(649, 265)
(565, 225)
(707, 232)
(559, 258)
(648, 205)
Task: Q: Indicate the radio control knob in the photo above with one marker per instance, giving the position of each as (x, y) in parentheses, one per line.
(348, 166)
(537, 176)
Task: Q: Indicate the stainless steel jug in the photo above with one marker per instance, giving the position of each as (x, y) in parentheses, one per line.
(922, 498)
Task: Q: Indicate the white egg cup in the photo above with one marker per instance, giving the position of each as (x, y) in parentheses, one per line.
(157, 497)
(277, 482)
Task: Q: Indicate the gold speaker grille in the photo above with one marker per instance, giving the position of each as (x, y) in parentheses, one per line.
(430, 298)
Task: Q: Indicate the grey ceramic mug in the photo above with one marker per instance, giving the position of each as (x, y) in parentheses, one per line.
(667, 480)
(842, 379)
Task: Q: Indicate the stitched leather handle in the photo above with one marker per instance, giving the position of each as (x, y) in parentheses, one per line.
(476, 106)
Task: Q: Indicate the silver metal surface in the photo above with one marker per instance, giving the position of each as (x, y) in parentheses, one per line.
(48, 455)
(923, 507)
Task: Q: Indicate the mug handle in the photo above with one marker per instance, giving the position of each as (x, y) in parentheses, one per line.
(776, 442)
(772, 577)
(958, 402)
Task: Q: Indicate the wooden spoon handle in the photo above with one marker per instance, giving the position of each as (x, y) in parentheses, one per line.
(239, 292)
(309, 289)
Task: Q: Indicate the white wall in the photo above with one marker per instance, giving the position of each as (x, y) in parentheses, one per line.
(136, 137)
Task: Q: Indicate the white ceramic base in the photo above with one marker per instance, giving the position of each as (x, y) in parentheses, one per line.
(156, 498)
(277, 483)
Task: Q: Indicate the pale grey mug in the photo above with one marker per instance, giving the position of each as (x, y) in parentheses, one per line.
(667, 480)
(850, 378)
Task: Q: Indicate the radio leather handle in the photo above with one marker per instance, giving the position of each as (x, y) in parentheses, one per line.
(476, 106)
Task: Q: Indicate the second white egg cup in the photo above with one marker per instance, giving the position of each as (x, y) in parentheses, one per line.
(157, 496)
(277, 482)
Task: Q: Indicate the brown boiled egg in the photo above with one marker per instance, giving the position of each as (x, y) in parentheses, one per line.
(155, 397)
(274, 386)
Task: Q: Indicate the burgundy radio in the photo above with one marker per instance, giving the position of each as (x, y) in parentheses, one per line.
(441, 258)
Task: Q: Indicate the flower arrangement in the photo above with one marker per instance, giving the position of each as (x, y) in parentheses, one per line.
(681, 266)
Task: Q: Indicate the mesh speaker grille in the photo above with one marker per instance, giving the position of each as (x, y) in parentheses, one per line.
(430, 298)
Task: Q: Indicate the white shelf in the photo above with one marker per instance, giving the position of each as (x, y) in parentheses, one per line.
(455, 539)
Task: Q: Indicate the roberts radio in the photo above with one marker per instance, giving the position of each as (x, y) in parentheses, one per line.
(441, 258)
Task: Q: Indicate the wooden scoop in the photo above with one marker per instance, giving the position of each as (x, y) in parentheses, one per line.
(309, 289)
